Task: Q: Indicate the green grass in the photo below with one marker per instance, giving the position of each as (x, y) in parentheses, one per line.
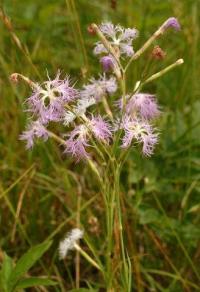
(162, 201)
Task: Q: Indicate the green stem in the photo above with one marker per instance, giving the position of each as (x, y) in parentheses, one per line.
(164, 71)
(145, 47)
(87, 257)
(123, 90)
(118, 67)
(124, 271)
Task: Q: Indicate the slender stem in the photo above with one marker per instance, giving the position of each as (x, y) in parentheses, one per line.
(144, 47)
(79, 32)
(140, 84)
(108, 207)
(77, 261)
(16, 76)
(105, 42)
(123, 90)
(17, 41)
(56, 138)
(118, 67)
(164, 71)
(107, 108)
(87, 257)
(90, 162)
(119, 213)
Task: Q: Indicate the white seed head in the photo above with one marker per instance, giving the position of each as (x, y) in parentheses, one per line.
(69, 242)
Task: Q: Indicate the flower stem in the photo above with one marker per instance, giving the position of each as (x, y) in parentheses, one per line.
(16, 76)
(164, 71)
(110, 49)
(87, 257)
(145, 46)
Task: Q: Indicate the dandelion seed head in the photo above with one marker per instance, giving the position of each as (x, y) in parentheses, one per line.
(68, 243)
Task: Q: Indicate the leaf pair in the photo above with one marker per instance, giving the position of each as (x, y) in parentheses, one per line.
(12, 278)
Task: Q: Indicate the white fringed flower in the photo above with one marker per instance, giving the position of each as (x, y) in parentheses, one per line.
(69, 242)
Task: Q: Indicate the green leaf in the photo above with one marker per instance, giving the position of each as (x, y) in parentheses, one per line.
(27, 261)
(6, 271)
(148, 216)
(194, 208)
(33, 281)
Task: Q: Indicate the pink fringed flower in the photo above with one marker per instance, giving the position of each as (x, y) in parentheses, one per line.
(118, 37)
(78, 138)
(100, 128)
(48, 99)
(98, 88)
(34, 130)
(77, 142)
(141, 132)
(143, 103)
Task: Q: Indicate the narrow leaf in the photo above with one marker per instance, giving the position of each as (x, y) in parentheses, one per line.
(27, 261)
(6, 271)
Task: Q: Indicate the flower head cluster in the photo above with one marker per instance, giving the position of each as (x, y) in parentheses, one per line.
(48, 100)
(120, 38)
(139, 110)
(69, 242)
(77, 142)
(143, 103)
(58, 101)
(79, 137)
(99, 88)
(140, 131)
(91, 94)
(34, 130)
(47, 103)
(101, 129)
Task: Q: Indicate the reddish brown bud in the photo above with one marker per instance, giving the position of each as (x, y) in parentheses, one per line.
(14, 77)
(113, 4)
(158, 53)
(91, 30)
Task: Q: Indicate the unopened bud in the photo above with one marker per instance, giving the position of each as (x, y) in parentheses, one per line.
(91, 30)
(14, 77)
(180, 61)
(158, 53)
(107, 63)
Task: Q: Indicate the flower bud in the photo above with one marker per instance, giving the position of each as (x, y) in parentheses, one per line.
(171, 22)
(91, 30)
(158, 53)
(107, 63)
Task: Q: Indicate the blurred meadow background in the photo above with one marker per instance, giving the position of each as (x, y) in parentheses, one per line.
(43, 193)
